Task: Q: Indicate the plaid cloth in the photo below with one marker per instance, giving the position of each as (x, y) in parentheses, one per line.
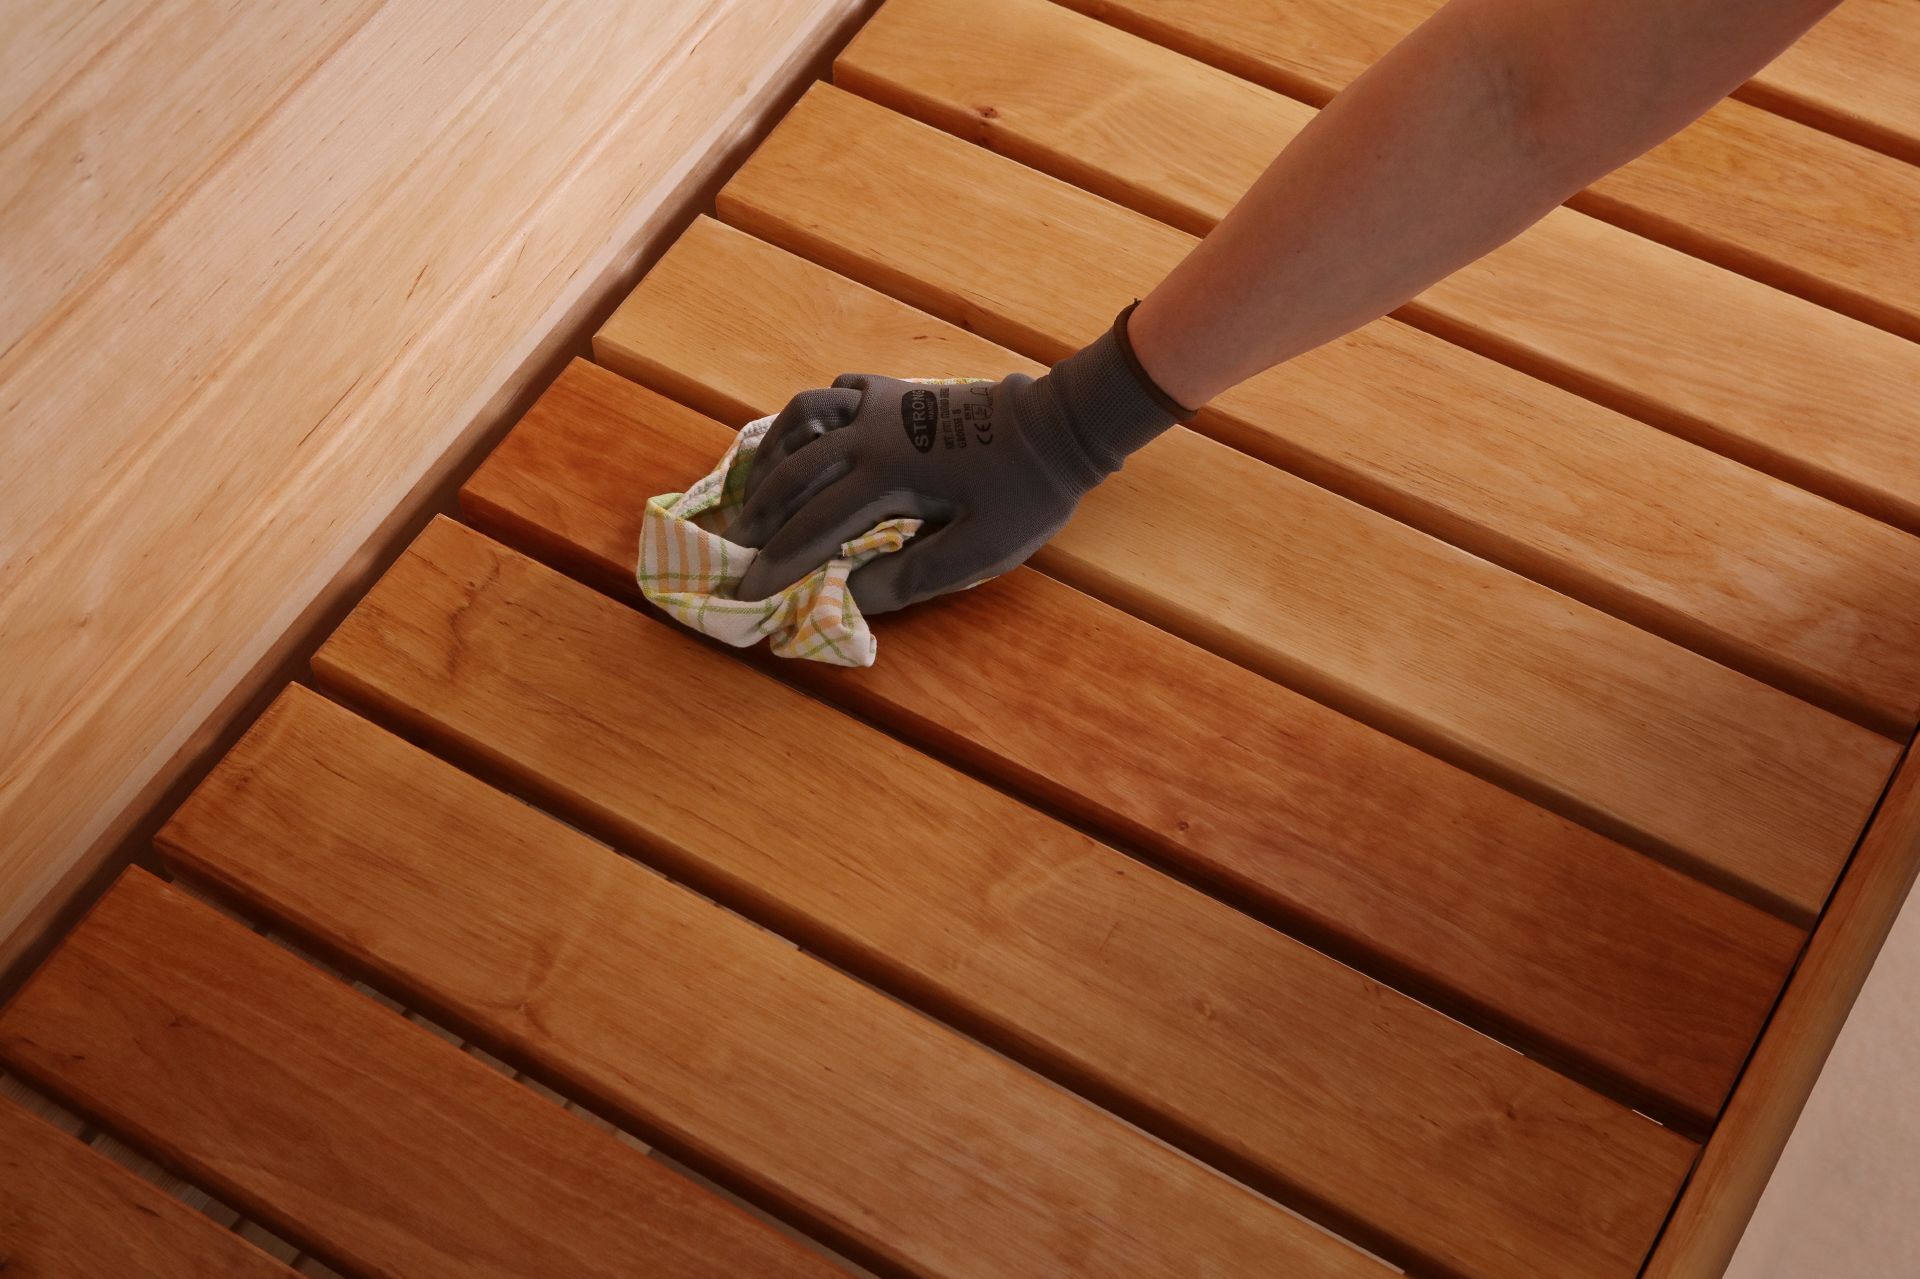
(691, 571)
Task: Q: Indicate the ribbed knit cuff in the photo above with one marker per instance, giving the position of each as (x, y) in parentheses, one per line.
(1094, 408)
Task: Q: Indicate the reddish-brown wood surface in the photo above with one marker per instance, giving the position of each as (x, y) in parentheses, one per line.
(1506, 915)
(1768, 378)
(1208, 1027)
(67, 1212)
(375, 1145)
(906, 1143)
(1767, 196)
(1745, 568)
(1644, 739)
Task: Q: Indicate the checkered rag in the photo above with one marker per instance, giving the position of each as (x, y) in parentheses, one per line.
(689, 570)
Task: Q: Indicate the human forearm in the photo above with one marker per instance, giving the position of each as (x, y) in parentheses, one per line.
(1468, 131)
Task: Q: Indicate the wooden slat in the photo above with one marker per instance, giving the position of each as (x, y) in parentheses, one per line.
(1728, 777)
(1207, 1027)
(1743, 187)
(377, 1147)
(1720, 1197)
(68, 1213)
(903, 1142)
(1765, 377)
(1853, 75)
(1481, 902)
(1747, 569)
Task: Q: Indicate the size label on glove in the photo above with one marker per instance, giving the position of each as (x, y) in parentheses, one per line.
(949, 414)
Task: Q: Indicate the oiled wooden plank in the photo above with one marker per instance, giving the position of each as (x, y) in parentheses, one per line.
(1853, 75)
(380, 1148)
(1743, 187)
(1210, 1028)
(900, 1140)
(68, 1213)
(1751, 571)
(1768, 378)
(1498, 911)
(1728, 777)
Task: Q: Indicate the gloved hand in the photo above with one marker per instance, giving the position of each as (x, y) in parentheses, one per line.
(995, 467)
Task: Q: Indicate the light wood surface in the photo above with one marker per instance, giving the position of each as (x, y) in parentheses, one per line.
(1729, 777)
(1743, 187)
(380, 1148)
(68, 1213)
(1747, 569)
(904, 1142)
(1852, 75)
(1251, 1049)
(1734, 1167)
(1760, 375)
(286, 284)
(1411, 869)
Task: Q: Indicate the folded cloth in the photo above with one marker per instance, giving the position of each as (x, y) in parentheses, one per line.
(690, 570)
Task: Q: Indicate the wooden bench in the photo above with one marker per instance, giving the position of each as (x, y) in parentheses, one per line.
(1466, 876)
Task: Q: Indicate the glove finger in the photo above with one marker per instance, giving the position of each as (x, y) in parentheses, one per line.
(806, 417)
(931, 564)
(790, 486)
(817, 532)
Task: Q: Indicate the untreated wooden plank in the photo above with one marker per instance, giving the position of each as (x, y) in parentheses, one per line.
(68, 1213)
(1853, 75)
(372, 1144)
(1216, 1032)
(1501, 913)
(1641, 738)
(911, 1147)
(1765, 377)
(1769, 197)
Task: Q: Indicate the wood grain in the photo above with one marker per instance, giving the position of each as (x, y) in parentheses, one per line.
(1767, 378)
(1742, 187)
(207, 435)
(135, 127)
(1498, 912)
(1852, 75)
(376, 1146)
(912, 1148)
(1644, 740)
(1720, 1196)
(68, 1213)
(1208, 1028)
(1820, 600)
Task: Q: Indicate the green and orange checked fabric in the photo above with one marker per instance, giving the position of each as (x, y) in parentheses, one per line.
(690, 570)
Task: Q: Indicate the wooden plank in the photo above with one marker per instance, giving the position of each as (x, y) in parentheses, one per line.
(68, 1213)
(1720, 1196)
(1646, 741)
(1767, 378)
(1208, 1028)
(904, 1143)
(1852, 75)
(373, 1145)
(136, 126)
(1481, 903)
(1820, 600)
(1741, 187)
(444, 180)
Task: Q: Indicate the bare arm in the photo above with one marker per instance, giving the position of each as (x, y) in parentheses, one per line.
(1472, 128)
(1468, 131)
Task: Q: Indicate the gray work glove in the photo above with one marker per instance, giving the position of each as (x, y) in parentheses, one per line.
(995, 467)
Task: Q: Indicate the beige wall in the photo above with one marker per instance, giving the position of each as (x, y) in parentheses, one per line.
(266, 268)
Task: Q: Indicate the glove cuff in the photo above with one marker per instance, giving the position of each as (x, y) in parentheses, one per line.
(1098, 405)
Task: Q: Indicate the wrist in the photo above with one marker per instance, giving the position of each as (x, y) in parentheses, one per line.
(1094, 408)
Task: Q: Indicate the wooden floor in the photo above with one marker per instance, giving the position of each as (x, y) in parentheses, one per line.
(1466, 877)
